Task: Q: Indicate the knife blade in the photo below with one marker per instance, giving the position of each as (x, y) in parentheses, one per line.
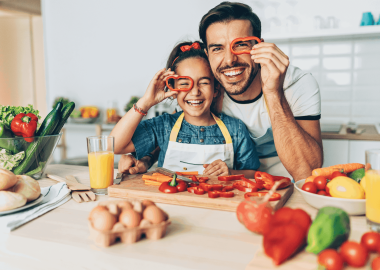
(117, 180)
(171, 173)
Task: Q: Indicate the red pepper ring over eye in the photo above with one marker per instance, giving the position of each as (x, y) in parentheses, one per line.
(184, 83)
(243, 45)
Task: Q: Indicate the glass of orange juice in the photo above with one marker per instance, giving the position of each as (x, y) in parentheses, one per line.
(372, 189)
(100, 162)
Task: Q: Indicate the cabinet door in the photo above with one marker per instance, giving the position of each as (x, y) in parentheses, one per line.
(358, 148)
(335, 152)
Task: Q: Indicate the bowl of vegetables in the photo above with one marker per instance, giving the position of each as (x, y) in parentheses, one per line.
(26, 147)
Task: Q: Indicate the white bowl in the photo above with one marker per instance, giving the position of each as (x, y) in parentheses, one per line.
(351, 206)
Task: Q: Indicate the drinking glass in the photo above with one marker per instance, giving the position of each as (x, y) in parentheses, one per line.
(101, 162)
(372, 188)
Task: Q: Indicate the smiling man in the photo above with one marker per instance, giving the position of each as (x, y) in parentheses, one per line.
(279, 103)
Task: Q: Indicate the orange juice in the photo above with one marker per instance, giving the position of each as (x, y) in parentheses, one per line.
(372, 195)
(101, 169)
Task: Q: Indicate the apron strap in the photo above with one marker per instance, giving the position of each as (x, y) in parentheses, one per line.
(221, 125)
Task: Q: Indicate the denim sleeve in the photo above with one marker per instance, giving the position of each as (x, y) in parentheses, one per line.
(148, 135)
(246, 157)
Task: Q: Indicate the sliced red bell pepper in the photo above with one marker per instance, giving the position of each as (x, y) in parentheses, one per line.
(192, 185)
(230, 177)
(194, 178)
(202, 179)
(228, 188)
(216, 187)
(206, 187)
(196, 190)
(268, 180)
(275, 197)
(213, 194)
(245, 186)
(24, 125)
(226, 194)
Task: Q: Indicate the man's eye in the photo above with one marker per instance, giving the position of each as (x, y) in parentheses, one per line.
(215, 49)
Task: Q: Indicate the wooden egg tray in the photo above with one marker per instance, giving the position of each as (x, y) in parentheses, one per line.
(128, 235)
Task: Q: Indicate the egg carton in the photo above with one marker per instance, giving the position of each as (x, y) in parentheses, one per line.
(128, 235)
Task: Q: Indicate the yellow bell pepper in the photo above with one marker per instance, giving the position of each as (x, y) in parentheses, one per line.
(345, 187)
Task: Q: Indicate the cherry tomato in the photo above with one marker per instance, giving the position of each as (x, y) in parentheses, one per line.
(320, 182)
(309, 187)
(327, 190)
(371, 240)
(354, 254)
(376, 264)
(330, 259)
(337, 173)
(322, 192)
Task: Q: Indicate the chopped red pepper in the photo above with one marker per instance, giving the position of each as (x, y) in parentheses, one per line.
(202, 179)
(275, 197)
(213, 194)
(245, 186)
(194, 178)
(268, 180)
(217, 187)
(228, 188)
(24, 125)
(230, 177)
(196, 190)
(173, 186)
(192, 185)
(206, 187)
(226, 194)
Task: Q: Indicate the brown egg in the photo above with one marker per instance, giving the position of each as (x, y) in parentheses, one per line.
(103, 221)
(130, 218)
(146, 203)
(123, 205)
(154, 214)
(94, 212)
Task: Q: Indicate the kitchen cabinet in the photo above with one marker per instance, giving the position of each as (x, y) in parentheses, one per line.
(358, 148)
(335, 152)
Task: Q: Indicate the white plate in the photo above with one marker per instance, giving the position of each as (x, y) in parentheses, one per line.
(351, 206)
(26, 206)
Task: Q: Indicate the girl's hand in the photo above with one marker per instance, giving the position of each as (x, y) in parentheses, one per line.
(155, 93)
(216, 168)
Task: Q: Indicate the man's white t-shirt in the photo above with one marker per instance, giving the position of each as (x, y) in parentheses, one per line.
(302, 93)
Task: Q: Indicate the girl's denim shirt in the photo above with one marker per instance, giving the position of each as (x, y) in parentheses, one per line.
(156, 132)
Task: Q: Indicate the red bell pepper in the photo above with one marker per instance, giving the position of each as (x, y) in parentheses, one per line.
(192, 185)
(268, 180)
(237, 40)
(230, 177)
(275, 197)
(196, 190)
(287, 234)
(228, 188)
(216, 187)
(213, 194)
(245, 185)
(173, 186)
(24, 125)
(194, 178)
(226, 194)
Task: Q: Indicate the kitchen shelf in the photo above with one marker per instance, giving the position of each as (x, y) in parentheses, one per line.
(326, 34)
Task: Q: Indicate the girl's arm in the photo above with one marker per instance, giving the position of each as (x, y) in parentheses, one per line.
(126, 127)
(219, 168)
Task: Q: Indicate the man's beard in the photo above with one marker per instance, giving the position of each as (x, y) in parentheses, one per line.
(237, 90)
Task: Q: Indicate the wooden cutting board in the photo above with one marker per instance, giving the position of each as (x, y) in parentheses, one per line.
(134, 187)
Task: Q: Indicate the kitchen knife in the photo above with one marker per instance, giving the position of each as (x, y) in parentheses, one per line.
(117, 180)
(171, 173)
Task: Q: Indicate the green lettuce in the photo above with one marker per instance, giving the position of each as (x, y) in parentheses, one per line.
(8, 160)
(7, 113)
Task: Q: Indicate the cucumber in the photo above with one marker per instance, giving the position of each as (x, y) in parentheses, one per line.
(47, 128)
(66, 112)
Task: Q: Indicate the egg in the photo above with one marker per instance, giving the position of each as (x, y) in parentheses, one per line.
(103, 221)
(146, 203)
(123, 205)
(138, 207)
(113, 209)
(96, 210)
(154, 214)
(130, 218)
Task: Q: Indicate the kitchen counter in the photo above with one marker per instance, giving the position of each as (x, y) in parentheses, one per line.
(197, 238)
(370, 133)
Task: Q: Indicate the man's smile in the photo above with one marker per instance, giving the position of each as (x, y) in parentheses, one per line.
(233, 75)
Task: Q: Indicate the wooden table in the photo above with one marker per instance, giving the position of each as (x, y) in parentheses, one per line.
(197, 239)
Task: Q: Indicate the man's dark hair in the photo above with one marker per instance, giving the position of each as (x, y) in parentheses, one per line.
(226, 12)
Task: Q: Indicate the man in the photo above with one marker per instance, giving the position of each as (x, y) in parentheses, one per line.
(279, 103)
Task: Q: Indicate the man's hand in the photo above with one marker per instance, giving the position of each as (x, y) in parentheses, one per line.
(216, 168)
(128, 164)
(274, 64)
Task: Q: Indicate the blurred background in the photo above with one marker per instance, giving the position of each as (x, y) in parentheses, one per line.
(104, 53)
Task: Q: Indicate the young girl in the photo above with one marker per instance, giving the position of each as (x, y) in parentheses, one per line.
(191, 139)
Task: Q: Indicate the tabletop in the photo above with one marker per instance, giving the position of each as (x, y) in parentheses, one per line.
(197, 238)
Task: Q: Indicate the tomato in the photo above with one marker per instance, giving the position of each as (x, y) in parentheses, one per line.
(309, 187)
(337, 173)
(376, 264)
(371, 240)
(330, 259)
(354, 253)
(322, 192)
(320, 182)
(328, 190)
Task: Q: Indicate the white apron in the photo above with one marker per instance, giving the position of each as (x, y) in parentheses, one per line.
(191, 157)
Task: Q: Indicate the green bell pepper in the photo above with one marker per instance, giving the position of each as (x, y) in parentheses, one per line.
(330, 229)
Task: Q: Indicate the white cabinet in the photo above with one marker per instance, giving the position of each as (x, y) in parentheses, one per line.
(358, 148)
(335, 152)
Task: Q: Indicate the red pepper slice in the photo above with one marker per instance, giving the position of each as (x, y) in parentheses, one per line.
(213, 194)
(202, 179)
(228, 188)
(230, 177)
(227, 194)
(194, 178)
(196, 190)
(192, 185)
(268, 180)
(206, 187)
(239, 47)
(217, 187)
(181, 186)
(275, 197)
(190, 80)
(245, 186)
